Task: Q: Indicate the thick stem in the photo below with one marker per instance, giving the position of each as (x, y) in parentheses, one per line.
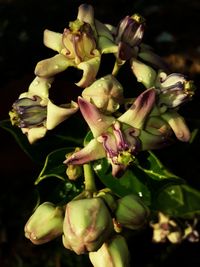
(89, 178)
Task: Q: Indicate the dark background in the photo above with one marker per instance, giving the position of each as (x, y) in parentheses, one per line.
(172, 30)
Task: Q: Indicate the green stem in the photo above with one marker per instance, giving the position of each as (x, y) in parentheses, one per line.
(89, 178)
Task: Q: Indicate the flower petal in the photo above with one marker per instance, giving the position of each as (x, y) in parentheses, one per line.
(144, 73)
(57, 114)
(90, 69)
(97, 121)
(53, 40)
(178, 125)
(34, 134)
(136, 114)
(40, 87)
(51, 66)
(92, 151)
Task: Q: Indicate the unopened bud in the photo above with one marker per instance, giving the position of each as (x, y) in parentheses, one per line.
(113, 253)
(131, 212)
(45, 224)
(87, 225)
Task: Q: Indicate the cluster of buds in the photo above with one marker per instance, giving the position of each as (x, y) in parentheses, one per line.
(87, 225)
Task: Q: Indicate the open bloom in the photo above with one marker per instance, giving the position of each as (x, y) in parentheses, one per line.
(173, 89)
(35, 113)
(79, 46)
(166, 229)
(118, 139)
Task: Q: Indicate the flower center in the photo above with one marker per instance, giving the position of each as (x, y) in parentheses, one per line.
(28, 113)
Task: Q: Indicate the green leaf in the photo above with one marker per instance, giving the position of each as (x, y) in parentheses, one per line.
(153, 167)
(54, 166)
(178, 201)
(130, 183)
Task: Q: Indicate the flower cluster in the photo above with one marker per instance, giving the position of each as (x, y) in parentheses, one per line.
(120, 129)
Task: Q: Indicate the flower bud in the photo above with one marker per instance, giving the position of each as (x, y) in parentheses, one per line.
(87, 225)
(45, 224)
(112, 253)
(105, 93)
(131, 212)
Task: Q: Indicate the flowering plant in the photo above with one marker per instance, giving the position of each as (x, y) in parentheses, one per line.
(103, 142)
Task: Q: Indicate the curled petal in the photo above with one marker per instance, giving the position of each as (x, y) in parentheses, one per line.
(97, 121)
(92, 151)
(90, 69)
(170, 80)
(53, 40)
(178, 125)
(34, 134)
(144, 73)
(51, 66)
(57, 114)
(137, 113)
(40, 87)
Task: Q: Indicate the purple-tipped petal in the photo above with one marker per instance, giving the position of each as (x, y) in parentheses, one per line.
(137, 113)
(178, 125)
(86, 14)
(97, 121)
(92, 151)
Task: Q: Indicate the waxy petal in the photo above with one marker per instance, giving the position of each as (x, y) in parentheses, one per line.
(40, 87)
(92, 151)
(53, 40)
(34, 134)
(144, 73)
(90, 69)
(137, 113)
(106, 45)
(97, 121)
(52, 66)
(57, 114)
(178, 125)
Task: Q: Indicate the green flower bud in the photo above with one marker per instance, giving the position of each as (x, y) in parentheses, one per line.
(131, 212)
(45, 224)
(105, 93)
(87, 225)
(113, 253)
